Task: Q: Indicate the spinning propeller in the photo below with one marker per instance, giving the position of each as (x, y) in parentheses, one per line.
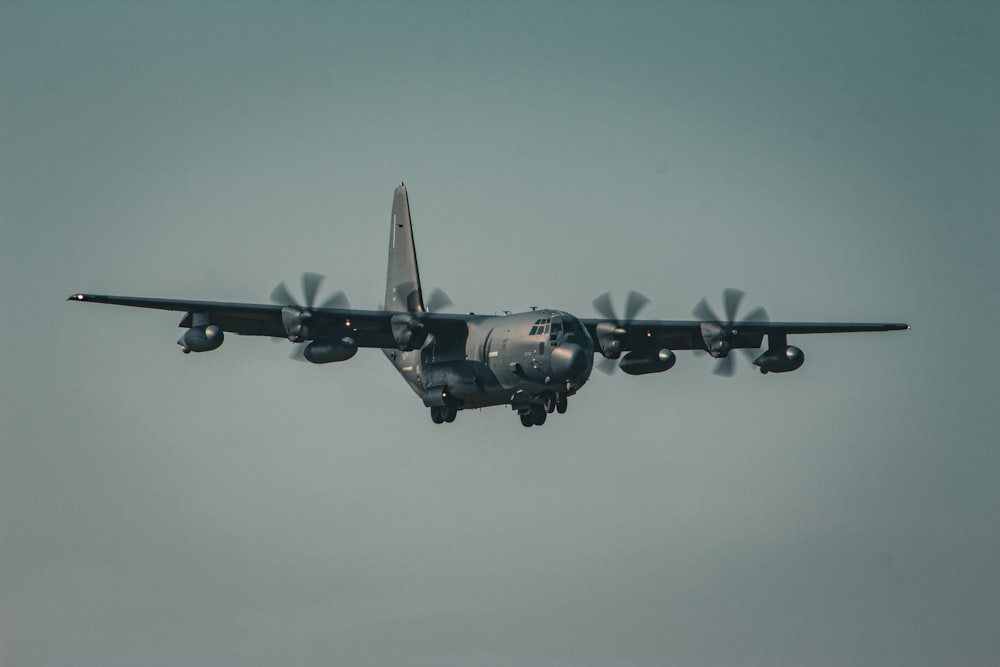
(294, 315)
(438, 301)
(610, 333)
(634, 302)
(310, 288)
(719, 335)
(408, 327)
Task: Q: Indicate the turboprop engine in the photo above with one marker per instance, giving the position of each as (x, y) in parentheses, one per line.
(408, 330)
(201, 339)
(780, 360)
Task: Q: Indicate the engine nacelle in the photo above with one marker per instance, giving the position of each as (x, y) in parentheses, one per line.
(325, 351)
(780, 360)
(201, 339)
(609, 337)
(635, 363)
(408, 331)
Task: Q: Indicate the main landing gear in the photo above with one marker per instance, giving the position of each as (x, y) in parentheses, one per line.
(444, 413)
(535, 414)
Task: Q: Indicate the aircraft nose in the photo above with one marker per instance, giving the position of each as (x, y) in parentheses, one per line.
(570, 361)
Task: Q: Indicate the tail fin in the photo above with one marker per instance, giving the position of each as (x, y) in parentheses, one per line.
(402, 281)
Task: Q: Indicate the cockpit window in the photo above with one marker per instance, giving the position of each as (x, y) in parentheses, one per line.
(540, 327)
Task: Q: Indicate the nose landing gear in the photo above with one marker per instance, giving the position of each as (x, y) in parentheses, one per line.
(553, 402)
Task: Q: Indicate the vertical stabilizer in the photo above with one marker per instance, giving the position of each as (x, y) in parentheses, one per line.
(402, 282)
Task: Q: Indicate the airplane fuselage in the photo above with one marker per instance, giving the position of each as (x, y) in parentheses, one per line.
(519, 359)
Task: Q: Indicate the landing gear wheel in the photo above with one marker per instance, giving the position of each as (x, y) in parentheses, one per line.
(450, 411)
(437, 415)
(561, 404)
(538, 415)
(549, 402)
(526, 420)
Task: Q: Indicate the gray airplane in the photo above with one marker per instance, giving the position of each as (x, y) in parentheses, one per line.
(532, 361)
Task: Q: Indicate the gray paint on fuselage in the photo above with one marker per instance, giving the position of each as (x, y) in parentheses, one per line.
(499, 361)
(492, 360)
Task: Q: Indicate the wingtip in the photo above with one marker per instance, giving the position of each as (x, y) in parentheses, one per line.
(75, 297)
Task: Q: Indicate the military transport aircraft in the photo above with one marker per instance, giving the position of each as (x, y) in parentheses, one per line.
(533, 361)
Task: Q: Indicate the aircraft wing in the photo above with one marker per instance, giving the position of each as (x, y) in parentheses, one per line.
(369, 328)
(647, 335)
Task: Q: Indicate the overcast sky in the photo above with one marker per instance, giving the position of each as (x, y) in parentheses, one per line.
(838, 161)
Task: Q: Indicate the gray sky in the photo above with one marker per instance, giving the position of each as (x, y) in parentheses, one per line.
(839, 161)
